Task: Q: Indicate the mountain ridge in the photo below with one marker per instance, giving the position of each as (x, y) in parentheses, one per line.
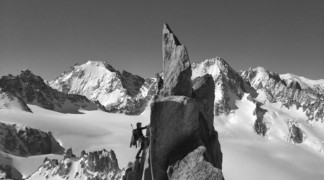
(290, 94)
(32, 89)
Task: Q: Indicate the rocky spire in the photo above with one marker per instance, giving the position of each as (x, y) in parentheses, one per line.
(182, 118)
(176, 65)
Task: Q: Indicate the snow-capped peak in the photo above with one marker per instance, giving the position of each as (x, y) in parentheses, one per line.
(99, 81)
(229, 85)
(213, 66)
(94, 81)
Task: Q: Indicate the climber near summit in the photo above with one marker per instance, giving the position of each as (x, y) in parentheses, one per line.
(138, 136)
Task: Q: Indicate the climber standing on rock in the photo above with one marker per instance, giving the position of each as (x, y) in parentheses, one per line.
(138, 136)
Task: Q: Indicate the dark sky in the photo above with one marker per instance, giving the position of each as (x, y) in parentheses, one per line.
(49, 36)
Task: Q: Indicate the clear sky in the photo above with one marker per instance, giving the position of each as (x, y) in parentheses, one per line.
(49, 36)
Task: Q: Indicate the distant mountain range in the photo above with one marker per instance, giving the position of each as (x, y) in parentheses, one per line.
(97, 84)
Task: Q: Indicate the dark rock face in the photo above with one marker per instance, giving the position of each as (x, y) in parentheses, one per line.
(176, 66)
(33, 90)
(260, 126)
(8, 101)
(294, 85)
(277, 90)
(296, 134)
(204, 94)
(179, 118)
(104, 162)
(203, 91)
(132, 83)
(69, 154)
(173, 117)
(24, 141)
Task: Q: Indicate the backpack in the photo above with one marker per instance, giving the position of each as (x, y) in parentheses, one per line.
(134, 138)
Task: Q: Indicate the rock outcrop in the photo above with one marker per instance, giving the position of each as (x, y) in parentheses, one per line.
(173, 126)
(294, 85)
(193, 166)
(295, 133)
(260, 126)
(203, 91)
(25, 141)
(10, 101)
(17, 140)
(69, 154)
(176, 66)
(178, 127)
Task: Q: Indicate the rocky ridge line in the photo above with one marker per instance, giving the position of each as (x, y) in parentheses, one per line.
(93, 165)
(33, 90)
(277, 90)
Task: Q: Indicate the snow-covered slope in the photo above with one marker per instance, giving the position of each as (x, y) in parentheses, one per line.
(33, 90)
(267, 135)
(93, 165)
(10, 101)
(290, 93)
(89, 131)
(275, 155)
(99, 81)
(246, 155)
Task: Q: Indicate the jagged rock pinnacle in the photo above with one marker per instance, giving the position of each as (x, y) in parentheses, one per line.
(167, 30)
(176, 65)
(182, 117)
